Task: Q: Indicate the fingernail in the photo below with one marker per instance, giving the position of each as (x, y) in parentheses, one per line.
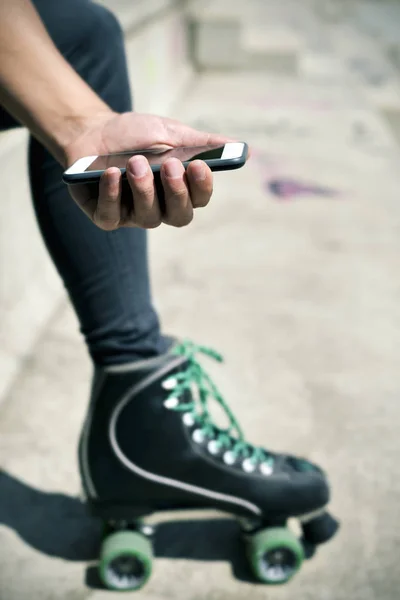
(173, 168)
(113, 176)
(199, 172)
(138, 166)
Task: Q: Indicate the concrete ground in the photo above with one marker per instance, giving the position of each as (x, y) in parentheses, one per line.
(293, 272)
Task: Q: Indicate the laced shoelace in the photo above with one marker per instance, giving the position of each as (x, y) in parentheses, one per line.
(231, 438)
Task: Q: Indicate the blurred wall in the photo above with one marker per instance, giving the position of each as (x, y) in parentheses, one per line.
(30, 289)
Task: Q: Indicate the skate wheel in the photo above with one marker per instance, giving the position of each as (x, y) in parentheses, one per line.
(275, 554)
(125, 560)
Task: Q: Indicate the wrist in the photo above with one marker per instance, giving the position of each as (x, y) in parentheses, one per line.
(70, 136)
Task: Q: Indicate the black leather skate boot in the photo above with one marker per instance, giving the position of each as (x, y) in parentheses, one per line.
(149, 444)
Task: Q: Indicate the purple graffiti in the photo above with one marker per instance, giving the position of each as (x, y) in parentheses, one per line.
(289, 189)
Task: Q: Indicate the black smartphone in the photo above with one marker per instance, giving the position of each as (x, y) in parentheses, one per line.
(232, 155)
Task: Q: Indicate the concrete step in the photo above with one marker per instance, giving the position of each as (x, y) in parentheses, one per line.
(276, 50)
(157, 50)
(335, 10)
(223, 41)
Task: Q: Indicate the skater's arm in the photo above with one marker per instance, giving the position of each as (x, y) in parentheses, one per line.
(42, 91)
(37, 85)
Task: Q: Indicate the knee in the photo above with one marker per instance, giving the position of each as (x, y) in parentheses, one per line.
(80, 26)
(106, 67)
(104, 36)
(97, 52)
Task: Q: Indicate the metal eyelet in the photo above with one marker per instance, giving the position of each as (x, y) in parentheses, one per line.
(169, 384)
(248, 465)
(213, 447)
(266, 468)
(188, 419)
(171, 402)
(229, 458)
(198, 436)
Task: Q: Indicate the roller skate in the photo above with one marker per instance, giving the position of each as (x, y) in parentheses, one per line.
(150, 444)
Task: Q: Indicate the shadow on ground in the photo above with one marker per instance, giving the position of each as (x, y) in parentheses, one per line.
(59, 525)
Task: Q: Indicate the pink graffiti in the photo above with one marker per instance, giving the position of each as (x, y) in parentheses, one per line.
(289, 189)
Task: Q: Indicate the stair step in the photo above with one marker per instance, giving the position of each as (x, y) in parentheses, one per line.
(222, 42)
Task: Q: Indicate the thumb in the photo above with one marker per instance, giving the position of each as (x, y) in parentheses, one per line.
(194, 137)
(179, 134)
(182, 135)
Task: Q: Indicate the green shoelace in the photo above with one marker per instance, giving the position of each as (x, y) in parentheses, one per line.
(232, 438)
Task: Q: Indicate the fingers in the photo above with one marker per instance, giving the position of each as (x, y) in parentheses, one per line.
(200, 179)
(178, 204)
(183, 191)
(146, 212)
(108, 210)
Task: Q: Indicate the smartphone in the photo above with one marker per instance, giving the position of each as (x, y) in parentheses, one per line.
(232, 155)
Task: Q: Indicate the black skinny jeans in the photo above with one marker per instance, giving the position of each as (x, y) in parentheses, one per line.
(105, 273)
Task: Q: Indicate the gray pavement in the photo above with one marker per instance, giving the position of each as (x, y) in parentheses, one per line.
(293, 273)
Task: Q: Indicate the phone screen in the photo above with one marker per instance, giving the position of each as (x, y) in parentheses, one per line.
(156, 157)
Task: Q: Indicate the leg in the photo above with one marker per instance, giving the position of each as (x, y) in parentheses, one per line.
(105, 273)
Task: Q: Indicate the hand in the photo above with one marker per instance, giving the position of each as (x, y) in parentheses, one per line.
(183, 190)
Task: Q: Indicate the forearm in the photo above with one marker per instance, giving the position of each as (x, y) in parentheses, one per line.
(37, 85)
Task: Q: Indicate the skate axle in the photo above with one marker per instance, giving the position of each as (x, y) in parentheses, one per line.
(252, 526)
(137, 525)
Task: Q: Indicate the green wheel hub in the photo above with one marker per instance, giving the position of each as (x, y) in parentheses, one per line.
(125, 561)
(275, 555)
